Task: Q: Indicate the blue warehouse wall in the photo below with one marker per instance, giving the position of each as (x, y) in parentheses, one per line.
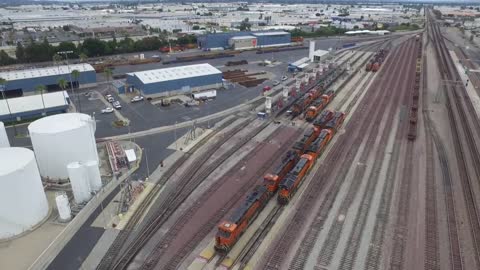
(133, 80)
(155, 88)
(28, 85)
(271, 40)
(33, 114)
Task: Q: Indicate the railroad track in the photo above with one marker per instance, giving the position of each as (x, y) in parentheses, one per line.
(344, 148)
(159, 250)
(349, 256)
(116, 246)
(194, 178)
(463, 128)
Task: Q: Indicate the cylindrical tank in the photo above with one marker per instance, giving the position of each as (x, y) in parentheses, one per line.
(94, 177)
(23, 203)
(78, 175)
(3, 136)
(60, 139)
(63, 206)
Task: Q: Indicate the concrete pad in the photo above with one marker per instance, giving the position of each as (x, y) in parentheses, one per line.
(209, 252)
(197, 264)
(472, 94)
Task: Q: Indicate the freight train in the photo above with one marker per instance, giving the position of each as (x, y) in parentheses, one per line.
(286, 178)
(318, 105)
(376, 61)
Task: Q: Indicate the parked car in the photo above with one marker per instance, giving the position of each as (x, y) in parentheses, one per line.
(266, 88)
(87, 94)
(107, 110)
(284, 78)
(110, 98)
(275, 83)
(137, 98)
(117, 105)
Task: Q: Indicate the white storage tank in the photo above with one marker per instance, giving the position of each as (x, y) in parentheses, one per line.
(22, 198)
(94, 177)
(63, 206)
(3, 136)
(79, 180)
(60, 139)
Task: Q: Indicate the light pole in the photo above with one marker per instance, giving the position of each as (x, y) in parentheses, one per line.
(175, 135)
(146, 160)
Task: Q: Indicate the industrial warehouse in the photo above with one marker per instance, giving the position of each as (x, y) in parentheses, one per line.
(244, 40)
(175, 80)
(26, 81)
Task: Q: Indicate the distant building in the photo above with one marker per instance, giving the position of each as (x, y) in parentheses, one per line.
(175, 80)
(263, 39)
(21, 82)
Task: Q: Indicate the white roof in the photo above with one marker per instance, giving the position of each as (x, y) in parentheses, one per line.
(59, 123)
(175, 73)
(243, 37)
(42, 72)
(301, 61)
(320, 53)
(14, 158)
(304, 65)
(130, 153)
(277, 33)
(33, 102)
(357, 32)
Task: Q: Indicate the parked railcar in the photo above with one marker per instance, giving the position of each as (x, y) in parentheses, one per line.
(317, 147)
(230, 230)
(272, 180)
(336, 121)
(310, 135)
(324, 118)
(293, 180)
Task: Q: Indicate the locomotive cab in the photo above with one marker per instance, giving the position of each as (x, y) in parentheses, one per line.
(224, 238)
(271, 182)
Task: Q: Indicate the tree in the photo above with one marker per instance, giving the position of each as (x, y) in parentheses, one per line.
(93, 47)
(108, 74)
(62, 83)
(76, 76)
(20, 52)
(41, 89)
(245, 25)
(196, 27)
(5, 59)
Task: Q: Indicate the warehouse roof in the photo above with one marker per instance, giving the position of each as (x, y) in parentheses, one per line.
(43, 72)
(243, 37)
(175, 73)
(33, 103)
(320, 53)
(276, 33)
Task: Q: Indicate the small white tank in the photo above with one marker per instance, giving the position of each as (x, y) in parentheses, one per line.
(78, 175)
(94, 177)
(63, 206)
(3, 136)
(142, 56)
(60, 139)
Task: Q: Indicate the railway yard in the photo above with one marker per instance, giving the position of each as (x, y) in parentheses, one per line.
(368, 160)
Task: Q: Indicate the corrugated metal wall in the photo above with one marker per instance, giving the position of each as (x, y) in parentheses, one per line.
(271, 40)
(28, 85)
(159, 87)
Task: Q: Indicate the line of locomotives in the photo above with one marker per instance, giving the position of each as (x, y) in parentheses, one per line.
(374, 64)
(286, 179)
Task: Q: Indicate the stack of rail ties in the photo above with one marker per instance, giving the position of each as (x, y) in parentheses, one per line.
(412, 129)
(241, 77)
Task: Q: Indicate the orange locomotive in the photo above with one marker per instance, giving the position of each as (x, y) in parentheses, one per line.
(231, 229)
(292, 181)
(336, 121)
(320, 143)
(272, 180)
(318, 105)
(307, 139)
(324, 118)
